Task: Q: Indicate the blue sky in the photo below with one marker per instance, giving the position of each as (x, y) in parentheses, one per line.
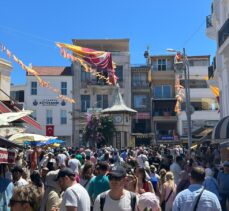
(30, 28)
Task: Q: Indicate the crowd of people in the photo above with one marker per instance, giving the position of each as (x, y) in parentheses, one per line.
(107, 179)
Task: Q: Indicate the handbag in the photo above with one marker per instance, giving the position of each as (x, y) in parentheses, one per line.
(165, 201)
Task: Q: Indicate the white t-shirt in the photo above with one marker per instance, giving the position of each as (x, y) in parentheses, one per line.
(141, 160)
(115, 205)
(21, 182)
(76, 196)
(74, 164)
(61, 160)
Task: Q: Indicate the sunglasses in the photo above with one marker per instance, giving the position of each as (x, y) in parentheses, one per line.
(13, 202)
(115, 178)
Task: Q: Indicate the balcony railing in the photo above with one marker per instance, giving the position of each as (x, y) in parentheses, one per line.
(223, 33)
(140, 84)
(209, 21)
(164, 113)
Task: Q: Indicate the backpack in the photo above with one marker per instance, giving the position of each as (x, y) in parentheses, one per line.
(132, 200)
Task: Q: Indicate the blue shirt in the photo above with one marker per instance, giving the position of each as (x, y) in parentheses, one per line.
(98, 185)
(6, 192)
(211, 185)
(186, 199)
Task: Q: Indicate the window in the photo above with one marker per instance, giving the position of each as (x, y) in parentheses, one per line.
(162, 91)
(49, 117)
(85, 102)
(85, 76)
(63, 117)
(119, 72)
(34, 115)
(17, 95)
(33, 88)
(140, 101)
(102, 101)
(161, 64)
(140, 80)
(64, 88)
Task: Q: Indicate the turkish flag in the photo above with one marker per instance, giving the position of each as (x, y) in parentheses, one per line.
(49, 130)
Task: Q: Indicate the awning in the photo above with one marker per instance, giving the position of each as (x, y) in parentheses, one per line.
(6, 106)
(221, 130)
(7, 144)
(202, 133)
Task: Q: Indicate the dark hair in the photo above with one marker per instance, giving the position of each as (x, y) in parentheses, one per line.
(198, 174)
(103, 166)
(36, 178)
(143, 172)
(178, 159)
(84, 173)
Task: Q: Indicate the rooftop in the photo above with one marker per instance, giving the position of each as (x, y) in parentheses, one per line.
(52, 70)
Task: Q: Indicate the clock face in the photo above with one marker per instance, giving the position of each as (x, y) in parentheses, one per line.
(117, 118)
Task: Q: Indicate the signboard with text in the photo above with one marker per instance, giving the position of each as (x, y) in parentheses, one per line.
(7, 156)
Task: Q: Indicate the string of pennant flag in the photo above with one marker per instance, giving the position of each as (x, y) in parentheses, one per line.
(41, 82)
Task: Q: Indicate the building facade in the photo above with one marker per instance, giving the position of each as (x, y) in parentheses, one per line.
(140, 89)
(217, 28)
(53, 114)
(164, 119)
(93, 94)
(204, 105)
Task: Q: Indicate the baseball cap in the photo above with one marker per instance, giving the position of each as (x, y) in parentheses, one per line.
(117, 171)
(65, 172)
(17, 169)
(226, 163)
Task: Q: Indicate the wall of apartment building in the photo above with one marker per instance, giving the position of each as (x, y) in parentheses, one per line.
(5, 71)
(47, 100)
(208, 114)
(79, 88)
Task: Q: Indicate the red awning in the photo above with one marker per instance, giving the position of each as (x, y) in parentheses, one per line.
(4, 109)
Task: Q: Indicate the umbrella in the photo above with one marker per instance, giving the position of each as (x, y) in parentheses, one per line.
(19, 138)
(51, 141)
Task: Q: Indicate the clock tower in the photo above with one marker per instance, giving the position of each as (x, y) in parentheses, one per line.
(122, 120)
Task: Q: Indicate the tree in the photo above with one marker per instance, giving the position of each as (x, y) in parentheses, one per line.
(99, 130)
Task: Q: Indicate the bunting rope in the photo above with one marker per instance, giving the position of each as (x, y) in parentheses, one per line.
(41, 82)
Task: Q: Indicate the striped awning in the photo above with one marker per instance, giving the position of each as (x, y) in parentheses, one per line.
(221, 130)
(4, 108)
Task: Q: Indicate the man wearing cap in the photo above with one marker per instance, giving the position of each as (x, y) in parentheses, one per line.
(196, 197)
(117, 198)
(17, 172)
(223, 181)
(75, 197)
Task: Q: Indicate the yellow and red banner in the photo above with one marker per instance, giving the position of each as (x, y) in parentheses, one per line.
(91, 59)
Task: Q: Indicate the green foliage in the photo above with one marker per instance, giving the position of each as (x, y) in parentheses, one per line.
(99, 130)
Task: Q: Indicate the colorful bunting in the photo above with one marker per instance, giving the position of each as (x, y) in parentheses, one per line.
(90, 59)
(41, 82)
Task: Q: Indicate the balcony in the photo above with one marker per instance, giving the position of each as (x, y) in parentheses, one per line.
(210, 30)
(223, 41)
(140, 84)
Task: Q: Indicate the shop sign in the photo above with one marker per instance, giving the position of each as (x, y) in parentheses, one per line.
(7, 156)
(48, 102)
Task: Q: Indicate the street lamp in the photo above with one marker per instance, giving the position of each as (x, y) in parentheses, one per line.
(184, 66)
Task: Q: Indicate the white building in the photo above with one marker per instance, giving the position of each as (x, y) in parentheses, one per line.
(217, 28)
(53, 114)
(205, 113)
